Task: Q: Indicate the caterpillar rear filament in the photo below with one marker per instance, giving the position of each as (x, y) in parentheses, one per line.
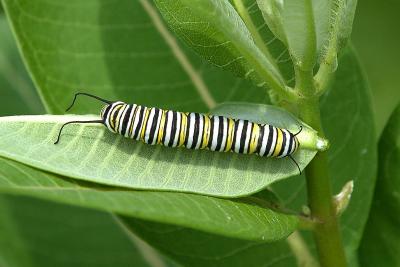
(193, 130)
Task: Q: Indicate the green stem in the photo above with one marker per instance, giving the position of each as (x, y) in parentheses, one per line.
(326, 234)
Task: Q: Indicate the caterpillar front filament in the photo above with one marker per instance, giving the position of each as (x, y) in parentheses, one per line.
(193, 130)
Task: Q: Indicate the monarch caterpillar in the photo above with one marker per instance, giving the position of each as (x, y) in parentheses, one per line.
(193, 130)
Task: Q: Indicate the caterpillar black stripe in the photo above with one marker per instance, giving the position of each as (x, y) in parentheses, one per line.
(193, 130)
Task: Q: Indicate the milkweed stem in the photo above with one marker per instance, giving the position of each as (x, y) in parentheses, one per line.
(319, 193)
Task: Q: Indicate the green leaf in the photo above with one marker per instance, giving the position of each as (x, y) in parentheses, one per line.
(264, 38)
(14, 81)
(187, 246)
(345, 15)
(293, 23)
(271, 13)
(340, 26)
(215, 30)
(92, 153)
(232, 218)
(322, 20)
(347, 117)
(197, 249)
(38, 233)
(117, 50)
(380, 243)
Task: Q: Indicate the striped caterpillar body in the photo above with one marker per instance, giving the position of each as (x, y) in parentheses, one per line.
(193, 130)
(197, 131)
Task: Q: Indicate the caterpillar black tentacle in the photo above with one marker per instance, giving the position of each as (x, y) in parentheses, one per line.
(194, 130)
(89, 95)
(70, 122)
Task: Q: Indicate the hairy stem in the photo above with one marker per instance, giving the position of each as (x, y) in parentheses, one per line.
(319, 192)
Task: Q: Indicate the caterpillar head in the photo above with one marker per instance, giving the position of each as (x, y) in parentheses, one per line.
(104, 111)
(111, 114)
(110, 109)
(294, 146)
(296, 142)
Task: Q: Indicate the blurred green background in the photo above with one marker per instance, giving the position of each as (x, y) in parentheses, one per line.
(375, 35)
